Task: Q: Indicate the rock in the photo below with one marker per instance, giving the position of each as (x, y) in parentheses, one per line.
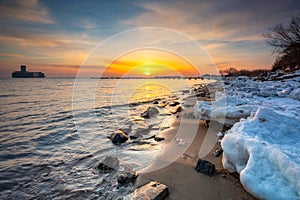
(206, 123)
(150, 112)
(108, 164)
(158, 139)
(175, 103)
(126, 178)
(140, 132)
(141, 142)
(205, 167)
(178, 109)
(134, 136)
(155, 102)
(118, 137)
(152, 190)
(218, 152)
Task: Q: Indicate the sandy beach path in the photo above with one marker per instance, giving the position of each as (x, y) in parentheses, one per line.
(182, 179)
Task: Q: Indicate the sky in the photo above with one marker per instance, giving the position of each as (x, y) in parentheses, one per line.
(109, 37)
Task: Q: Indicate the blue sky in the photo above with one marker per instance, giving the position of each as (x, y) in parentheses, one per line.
(56, 36)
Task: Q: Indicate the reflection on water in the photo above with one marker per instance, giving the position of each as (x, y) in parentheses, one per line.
(42, 151)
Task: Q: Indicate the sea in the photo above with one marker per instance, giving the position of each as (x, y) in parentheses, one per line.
(55, 131)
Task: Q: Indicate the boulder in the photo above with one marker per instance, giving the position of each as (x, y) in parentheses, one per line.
(205, 167)
(153, 190)
(126, 178)
(150, 112)
(118, 137)
(108, 164)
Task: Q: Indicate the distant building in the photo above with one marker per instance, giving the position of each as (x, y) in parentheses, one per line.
(25, 74)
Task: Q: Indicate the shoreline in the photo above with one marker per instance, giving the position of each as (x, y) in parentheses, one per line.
(181, 177)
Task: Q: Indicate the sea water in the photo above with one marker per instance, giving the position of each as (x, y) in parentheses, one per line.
(49, 147)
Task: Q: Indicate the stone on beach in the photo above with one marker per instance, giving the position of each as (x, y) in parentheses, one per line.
(118, 137)
(126, 178)
(158, 139)
(175, 103)
(205, 167)
(218, 152)
(177, 109)
(109, 163)
(150, 112)
(155, 102)
(141, 132)
(153, 190)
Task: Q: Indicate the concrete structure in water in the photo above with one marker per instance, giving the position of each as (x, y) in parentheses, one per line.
(25, 74)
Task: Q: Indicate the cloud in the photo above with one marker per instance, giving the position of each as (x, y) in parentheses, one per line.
(220, 20)
(26, 11)
(230, 31)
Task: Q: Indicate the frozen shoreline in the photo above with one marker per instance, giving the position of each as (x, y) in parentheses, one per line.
(263, 143)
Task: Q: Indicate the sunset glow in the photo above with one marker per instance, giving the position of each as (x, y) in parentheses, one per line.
(57, 37)
(150, 63)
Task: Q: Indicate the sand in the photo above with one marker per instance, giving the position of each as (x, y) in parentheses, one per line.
(180, 176)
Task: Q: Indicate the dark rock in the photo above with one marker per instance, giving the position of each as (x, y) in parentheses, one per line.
(206, 124)
(150, 112)
(175, 103)
(108, 164)
(152, 190)
(155, 102)
(118, 137)
(133, 137)
(205, 167)
(218, 152)
(126, 178)
(158, 139)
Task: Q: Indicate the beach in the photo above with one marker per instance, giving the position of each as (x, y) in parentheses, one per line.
(181, 177)
(72, 152)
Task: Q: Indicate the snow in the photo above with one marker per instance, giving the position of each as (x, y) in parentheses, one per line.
(265, 151)
(263, 144)
(226, 110)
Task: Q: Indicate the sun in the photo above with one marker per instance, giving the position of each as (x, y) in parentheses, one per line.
(147, 71)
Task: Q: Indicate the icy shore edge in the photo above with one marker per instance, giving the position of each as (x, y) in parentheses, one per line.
(263, 144)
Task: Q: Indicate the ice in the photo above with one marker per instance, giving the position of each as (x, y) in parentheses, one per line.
(263, 144)
(265, 151)
(226, 110)
(295, 94)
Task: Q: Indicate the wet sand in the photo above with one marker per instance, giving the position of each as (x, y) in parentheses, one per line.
(180, 176)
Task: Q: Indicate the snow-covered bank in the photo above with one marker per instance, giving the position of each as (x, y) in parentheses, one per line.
(265, 151)
(263, 144)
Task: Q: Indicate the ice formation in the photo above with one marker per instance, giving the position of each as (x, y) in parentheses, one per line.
(263, 145)
(265, 151)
